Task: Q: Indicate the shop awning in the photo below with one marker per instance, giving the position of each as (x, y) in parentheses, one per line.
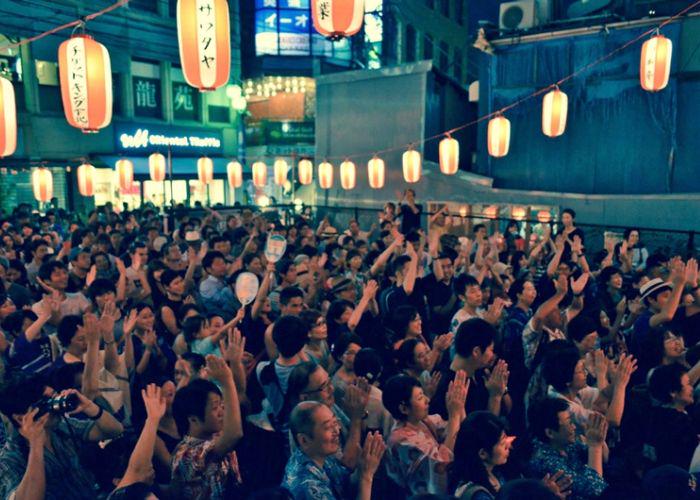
(181, 165)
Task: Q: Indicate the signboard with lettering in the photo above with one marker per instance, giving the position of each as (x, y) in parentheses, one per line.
(147, 138)
(279, 133)
(147, 97)
(185, 102)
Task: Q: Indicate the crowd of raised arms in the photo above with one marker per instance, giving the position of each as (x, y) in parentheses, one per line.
(386, 362)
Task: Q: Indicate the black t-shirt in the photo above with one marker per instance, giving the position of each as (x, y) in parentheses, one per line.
(410, 221)
(674, 436)
(439, 293)
(477, 397)
(396, 296)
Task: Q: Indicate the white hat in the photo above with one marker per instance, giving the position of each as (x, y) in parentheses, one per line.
(653, 286)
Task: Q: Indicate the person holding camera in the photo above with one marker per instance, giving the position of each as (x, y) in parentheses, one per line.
(41, 459)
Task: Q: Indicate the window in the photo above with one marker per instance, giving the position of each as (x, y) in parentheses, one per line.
(11, 68)
(427, 47)
(49, 86)
(116, 94)
(444, 56)
(445, 8)
(186, 99)
(219, 114)
(410, 43)
(146, 89)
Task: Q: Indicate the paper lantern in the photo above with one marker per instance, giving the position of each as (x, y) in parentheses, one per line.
(280, 168)
(234, 172)
(259, 174)
(411, 166)
(86, 83)
(544, 216)
(205, 170)
(325, 175)
(156, 167)
(348, 175)
(376, 173)
(42, 184)
(336, 19)
(554, 111)
(204, 38)
(655, 66)
(305, 172)
(499, 136)
(449, 156)
(86, 179)
(518, 213)
(125, 173)
(491, 212)
(8, 118)
(463, 211)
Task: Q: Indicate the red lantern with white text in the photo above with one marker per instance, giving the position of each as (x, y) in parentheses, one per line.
(204, 38)
(259, 174)
(336, 19)
(554, 111)
(499, 136)
(376, 173)
(205, 170)
(125, 173)
(279, 169)
(449, 156)
(305, 172)
(325, 175)
(86, 83)
(156, 167)
(411, 166)
(8, 118)
(234, 172)
(86, 179)
(655, 65)
(348, 175)
(42, 184)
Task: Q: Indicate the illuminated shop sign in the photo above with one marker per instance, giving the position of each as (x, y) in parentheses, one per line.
(147, 138)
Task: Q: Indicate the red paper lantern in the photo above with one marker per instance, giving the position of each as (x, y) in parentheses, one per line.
(554, 111)
(305, 172)
(86, 179)
(8, 118)
(348, 175)
(204, 38)
(655, 65)
(205, 170)
(449, 156)
(125, 173)
(156, 167)
(259, 174)
(499, 136)
(234, 172)
(376, 173)
(42, 184)
(544, 216)
(411, 166)
(491, 212)
(279, 169)
(336, 19)
(518, 213)
(86, 83)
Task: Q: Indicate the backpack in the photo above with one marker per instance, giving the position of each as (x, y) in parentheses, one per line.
(268, 376)
(467, 491)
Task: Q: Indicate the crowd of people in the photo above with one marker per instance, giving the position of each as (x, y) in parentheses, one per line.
(391, 361)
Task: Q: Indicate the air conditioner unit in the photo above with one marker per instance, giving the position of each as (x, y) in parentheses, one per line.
(518, 15)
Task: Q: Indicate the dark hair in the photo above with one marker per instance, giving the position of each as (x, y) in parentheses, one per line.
(310, 316)
(581, 326)
(463, 281)
(569, 211)
(405, 354)
(82, 250)
(401, 318)
(136, 244)
(19, 392)
(191, 401)
(99, 287)
(368, 364)
(299, 379)
(516, 288)
(64, 377)
(192, 326)
(196, 360)
(209, 258)
(13, 323)
(47, 269)
(67, 328)
(248, 258)
(337, 308)
(664, 380)
(559, 368)
(477, 227)
(398, 264)
(38, 243)
(283, 266)
(341, 345)
(481, 430)
(287, 294)
(544, 415)
(627, 232)
(397, 391)
(169, 276)
(653, 349)
(608, 273)
(290, 334)
(473, 333)
(448, 253)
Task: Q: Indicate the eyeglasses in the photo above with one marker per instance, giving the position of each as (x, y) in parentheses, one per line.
(326, 385)
(320, 322)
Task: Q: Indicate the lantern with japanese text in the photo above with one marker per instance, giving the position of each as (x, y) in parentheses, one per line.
(325, 175)
(655, 65)
(86, 83)
(8, 118)
(204, 38)
(554, 110)
(125, 174)
(205, 170)
(42, 184)
(499, 136)
(234, 172)
(411, 166)
(259, 174)
(156, 167)
(279, 169)
(376, 173)
(86, 179)
(348, 175)
(305, 172)
(336, 19)
(449, 156)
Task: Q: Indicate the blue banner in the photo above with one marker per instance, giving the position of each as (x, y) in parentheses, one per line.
(146, 138)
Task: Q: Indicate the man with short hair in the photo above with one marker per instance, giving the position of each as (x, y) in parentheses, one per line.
(287, 272)
(54, 278)
(291, 304)
(214, 264)
(39, 250)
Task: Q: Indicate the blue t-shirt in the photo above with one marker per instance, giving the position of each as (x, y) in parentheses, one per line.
(31, 357)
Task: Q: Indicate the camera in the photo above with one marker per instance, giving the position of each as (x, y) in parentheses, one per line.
(57, 405)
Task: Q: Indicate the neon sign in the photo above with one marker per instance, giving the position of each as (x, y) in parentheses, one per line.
(150, 138)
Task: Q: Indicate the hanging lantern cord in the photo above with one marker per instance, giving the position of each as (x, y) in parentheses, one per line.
(79, 27)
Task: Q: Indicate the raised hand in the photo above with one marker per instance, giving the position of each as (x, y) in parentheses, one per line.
(561, 285)
(91, 327)
(621, 306)
(109, 317)
(234, 348)
(677, 272)
(457, 395)
(577, 244)
(370, 290)
(372, 453)
(130, 321)
(621, 372)
(218, 370)
(596, 429)
(120, 266)
(432, 384)
(443, 342)
(559, 484)
(149, 338)
(497, 383)
(636, 307)
(34, 431)
(578, 285)
(47, 288)
(355, 401)
(493, 313)
(691, 273)
(153, 401)
(91, 275)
